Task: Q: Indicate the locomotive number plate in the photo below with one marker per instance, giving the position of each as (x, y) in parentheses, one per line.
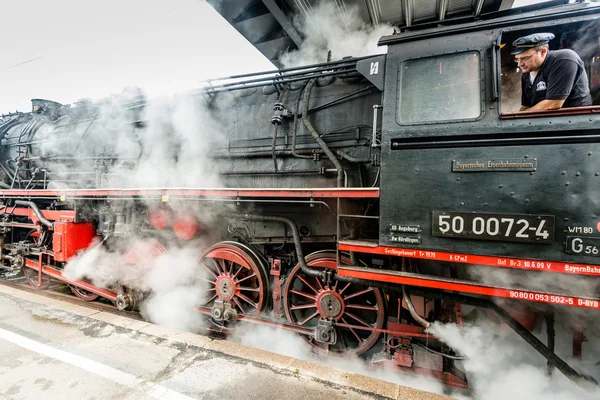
(500, 227)
(584, 246)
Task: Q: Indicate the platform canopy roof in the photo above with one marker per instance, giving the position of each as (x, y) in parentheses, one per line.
(267, 24)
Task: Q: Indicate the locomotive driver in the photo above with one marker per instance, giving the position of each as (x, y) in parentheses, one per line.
(551, 79)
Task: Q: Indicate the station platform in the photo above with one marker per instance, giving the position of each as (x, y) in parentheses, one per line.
(52, 349)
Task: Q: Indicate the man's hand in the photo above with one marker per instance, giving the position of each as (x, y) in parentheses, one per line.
(547, 105)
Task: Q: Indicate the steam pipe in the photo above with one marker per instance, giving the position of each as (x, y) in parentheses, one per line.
(325, 64)
(273, 144)
(278, 77)
(348, 157)
(36, 211)
(295, 127)
(411, 309)
(267, 82)
(315, 135)
(295, 234)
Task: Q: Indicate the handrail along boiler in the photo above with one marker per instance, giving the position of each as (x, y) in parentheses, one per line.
(353, 233)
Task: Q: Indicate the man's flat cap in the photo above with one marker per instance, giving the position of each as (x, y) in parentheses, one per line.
(531, 41)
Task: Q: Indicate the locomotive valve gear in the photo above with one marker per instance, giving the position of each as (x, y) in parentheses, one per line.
(325, 332)
(551, 79)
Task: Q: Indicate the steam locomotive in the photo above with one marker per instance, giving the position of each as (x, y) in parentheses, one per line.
(354, 202)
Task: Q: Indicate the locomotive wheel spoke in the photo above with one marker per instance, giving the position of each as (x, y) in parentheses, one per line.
(342, 338)
(352, 330)
(208, 290)
(243, 279)
(230, 266)
(207, 280)
(238, 272)
(308, 296)
(239, 304)
(363, 322)
(247, 300)
(362, 307)
(306, 283)
(309, 318)
(367, 290)
(211, 299)
(303, 307)
(219, 265)
(209, 269)
(319, 284)
(344, 289)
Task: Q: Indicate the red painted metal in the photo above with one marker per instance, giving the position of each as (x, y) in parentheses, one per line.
(160, 218)
(442, 376)
(33, 279)
(306, 300)
(70, 237)
(370, 193)
(276, 274)
(185, 226)
(55, 274)
(139, 257)
(427, 281)
(52, 215)
(493, 261)
(232, 274)
(83, 294)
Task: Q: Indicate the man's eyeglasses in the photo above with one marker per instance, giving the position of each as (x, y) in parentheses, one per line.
(525, 59)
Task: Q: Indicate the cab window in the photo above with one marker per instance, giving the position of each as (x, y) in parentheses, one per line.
(441, 88)
(581, 37)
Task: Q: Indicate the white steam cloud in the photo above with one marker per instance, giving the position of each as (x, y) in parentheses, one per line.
(500, 365)
(324, 28)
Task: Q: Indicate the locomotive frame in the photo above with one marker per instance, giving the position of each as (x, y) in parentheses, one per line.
(390, 246)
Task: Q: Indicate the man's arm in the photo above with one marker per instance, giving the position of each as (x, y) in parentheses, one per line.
(561, 79)
(546, 105)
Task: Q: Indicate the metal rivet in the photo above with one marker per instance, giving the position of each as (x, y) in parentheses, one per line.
(512, 193)
(462, 203)
(526, 200)
(567, 184)
(564, 172)
(501, 186)
(578, 174)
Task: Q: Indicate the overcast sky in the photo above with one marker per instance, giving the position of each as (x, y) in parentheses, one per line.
(64, 50)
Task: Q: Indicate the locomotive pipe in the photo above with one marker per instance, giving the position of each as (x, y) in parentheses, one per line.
(299, 68)
(315, 135)
(36, 211)
(295, 153)
(296, 236)
(411, 309)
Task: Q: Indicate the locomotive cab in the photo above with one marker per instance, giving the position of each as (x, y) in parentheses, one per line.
(465, 178)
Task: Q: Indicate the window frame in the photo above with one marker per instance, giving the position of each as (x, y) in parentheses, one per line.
(482, 89)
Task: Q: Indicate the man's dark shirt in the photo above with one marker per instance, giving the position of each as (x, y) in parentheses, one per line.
(561, 77)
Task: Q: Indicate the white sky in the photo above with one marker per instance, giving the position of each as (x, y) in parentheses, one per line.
(88, 48)
(64, 50)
